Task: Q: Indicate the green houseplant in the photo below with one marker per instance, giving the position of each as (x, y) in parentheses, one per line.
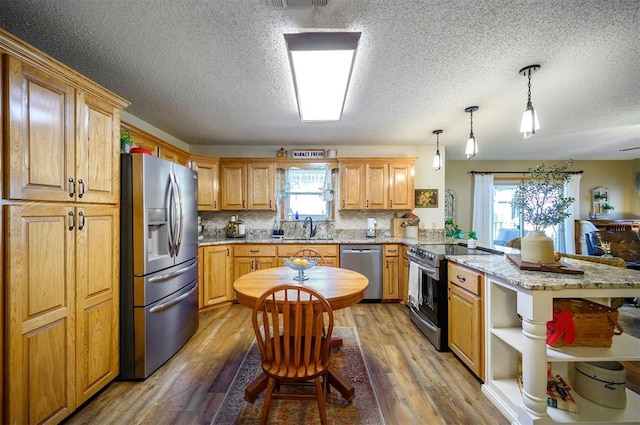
(126, 140)
(540, 197)
(472, 238)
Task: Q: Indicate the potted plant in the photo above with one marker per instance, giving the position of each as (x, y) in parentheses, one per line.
(471, 239)
(606, 208)
(126, 140)
(540, 197)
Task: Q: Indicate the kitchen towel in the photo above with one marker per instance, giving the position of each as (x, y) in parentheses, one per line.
(414, 284)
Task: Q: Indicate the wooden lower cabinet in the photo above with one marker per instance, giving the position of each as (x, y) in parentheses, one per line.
(466, 323)
(252, 257)
(391, 273)
(62, 297)
(403, 287)
(217, 275)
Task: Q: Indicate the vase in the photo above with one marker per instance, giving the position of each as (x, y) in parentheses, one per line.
(536, 247)
(471, 243)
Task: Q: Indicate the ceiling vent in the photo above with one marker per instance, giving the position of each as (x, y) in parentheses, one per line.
(295, 4)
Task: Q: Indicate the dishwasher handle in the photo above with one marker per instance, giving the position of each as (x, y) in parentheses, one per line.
(360, 251)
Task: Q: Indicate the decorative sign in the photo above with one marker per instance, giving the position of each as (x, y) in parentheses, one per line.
(307, 153)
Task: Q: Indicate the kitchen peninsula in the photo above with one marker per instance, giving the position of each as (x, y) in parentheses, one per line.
(517, 307)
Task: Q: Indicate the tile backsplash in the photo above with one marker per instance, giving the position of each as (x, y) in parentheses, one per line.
(347, 225)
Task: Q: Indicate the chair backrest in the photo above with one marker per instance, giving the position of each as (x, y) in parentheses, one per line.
(592, 244)
(514, 243)
(310, 253)
(624, 244)
(293, 326)
(611, 261)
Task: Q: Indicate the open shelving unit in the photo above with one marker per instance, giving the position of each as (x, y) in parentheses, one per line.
(507, 309)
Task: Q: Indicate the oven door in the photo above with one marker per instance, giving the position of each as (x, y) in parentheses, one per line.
(430, 295)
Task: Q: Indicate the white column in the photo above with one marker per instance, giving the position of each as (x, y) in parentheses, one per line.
(534, 363)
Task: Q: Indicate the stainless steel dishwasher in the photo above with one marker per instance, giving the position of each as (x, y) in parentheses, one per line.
(365, 259)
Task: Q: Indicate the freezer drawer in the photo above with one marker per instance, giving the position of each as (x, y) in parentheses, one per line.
(150, 288)
(160, 330)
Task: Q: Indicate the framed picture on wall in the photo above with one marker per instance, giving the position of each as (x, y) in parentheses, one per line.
(426, 198)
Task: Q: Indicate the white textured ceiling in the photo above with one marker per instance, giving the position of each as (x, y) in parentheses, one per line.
(216, 71)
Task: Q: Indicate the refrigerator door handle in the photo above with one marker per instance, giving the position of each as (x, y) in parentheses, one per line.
(173, 302)
(172, 219)
(180, 214)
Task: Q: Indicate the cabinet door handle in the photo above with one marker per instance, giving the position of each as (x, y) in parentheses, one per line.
(255, 250)
(460, 278)
(227, 252)
(73, 220)
(215, 204)
(82, 223)
(343, 203)
(390, 203)
(243, 203)
(81, 183)
(269, 203)
(72, 187)
(387, 264)
(367, 206)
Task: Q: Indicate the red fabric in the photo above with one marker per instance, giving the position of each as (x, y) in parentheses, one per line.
(561, 325)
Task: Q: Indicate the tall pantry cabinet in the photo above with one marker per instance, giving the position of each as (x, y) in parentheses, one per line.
(60, 230)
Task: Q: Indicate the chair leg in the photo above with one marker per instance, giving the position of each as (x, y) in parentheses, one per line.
(267, 401)
(320, 397)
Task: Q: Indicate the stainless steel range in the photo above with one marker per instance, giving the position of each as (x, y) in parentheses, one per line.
(428, 288)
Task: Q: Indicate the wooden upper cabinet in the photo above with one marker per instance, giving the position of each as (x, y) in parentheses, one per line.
(174, 156)
(157, 146)
(208, 188)
(97, 150)
(63, 143)
(352, 185)
(41, 155)
(401, 186)
(377, 186)
(233, 186)
(261, 186)
(247, 186)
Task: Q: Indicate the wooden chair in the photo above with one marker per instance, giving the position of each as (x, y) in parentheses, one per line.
(514, 243)
(293, 326)
(310, 253)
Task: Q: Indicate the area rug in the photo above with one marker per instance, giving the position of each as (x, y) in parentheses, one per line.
(364, 409)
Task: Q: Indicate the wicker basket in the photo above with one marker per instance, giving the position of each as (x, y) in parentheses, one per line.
(595, 324)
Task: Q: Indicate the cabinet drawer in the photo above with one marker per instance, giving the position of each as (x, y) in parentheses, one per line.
(254, 251)
(391, 250)
(465, 278)
(287, 250)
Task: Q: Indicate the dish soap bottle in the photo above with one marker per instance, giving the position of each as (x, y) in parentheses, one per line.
(297, 216)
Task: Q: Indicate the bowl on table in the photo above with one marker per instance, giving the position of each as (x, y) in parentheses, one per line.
(300, 264)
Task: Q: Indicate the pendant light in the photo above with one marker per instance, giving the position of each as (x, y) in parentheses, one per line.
(437, 160)
(472, 143)
(530, 122)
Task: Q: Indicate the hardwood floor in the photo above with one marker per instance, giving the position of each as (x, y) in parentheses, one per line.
(415, 383)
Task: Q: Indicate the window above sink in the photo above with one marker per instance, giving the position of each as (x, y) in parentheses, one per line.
(307, 192)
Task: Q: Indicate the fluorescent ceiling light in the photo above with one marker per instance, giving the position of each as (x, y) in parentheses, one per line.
(321, 64)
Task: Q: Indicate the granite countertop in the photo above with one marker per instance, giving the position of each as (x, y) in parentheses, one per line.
(341, 241)
(596, 275)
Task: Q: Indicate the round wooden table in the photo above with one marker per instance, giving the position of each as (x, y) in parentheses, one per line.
(341, 288)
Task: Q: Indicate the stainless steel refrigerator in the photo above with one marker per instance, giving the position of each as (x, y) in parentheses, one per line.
(158, 262)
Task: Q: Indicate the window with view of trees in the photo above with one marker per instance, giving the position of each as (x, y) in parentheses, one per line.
(307, 192)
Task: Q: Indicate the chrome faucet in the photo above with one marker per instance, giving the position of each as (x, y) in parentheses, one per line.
(312, 228)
